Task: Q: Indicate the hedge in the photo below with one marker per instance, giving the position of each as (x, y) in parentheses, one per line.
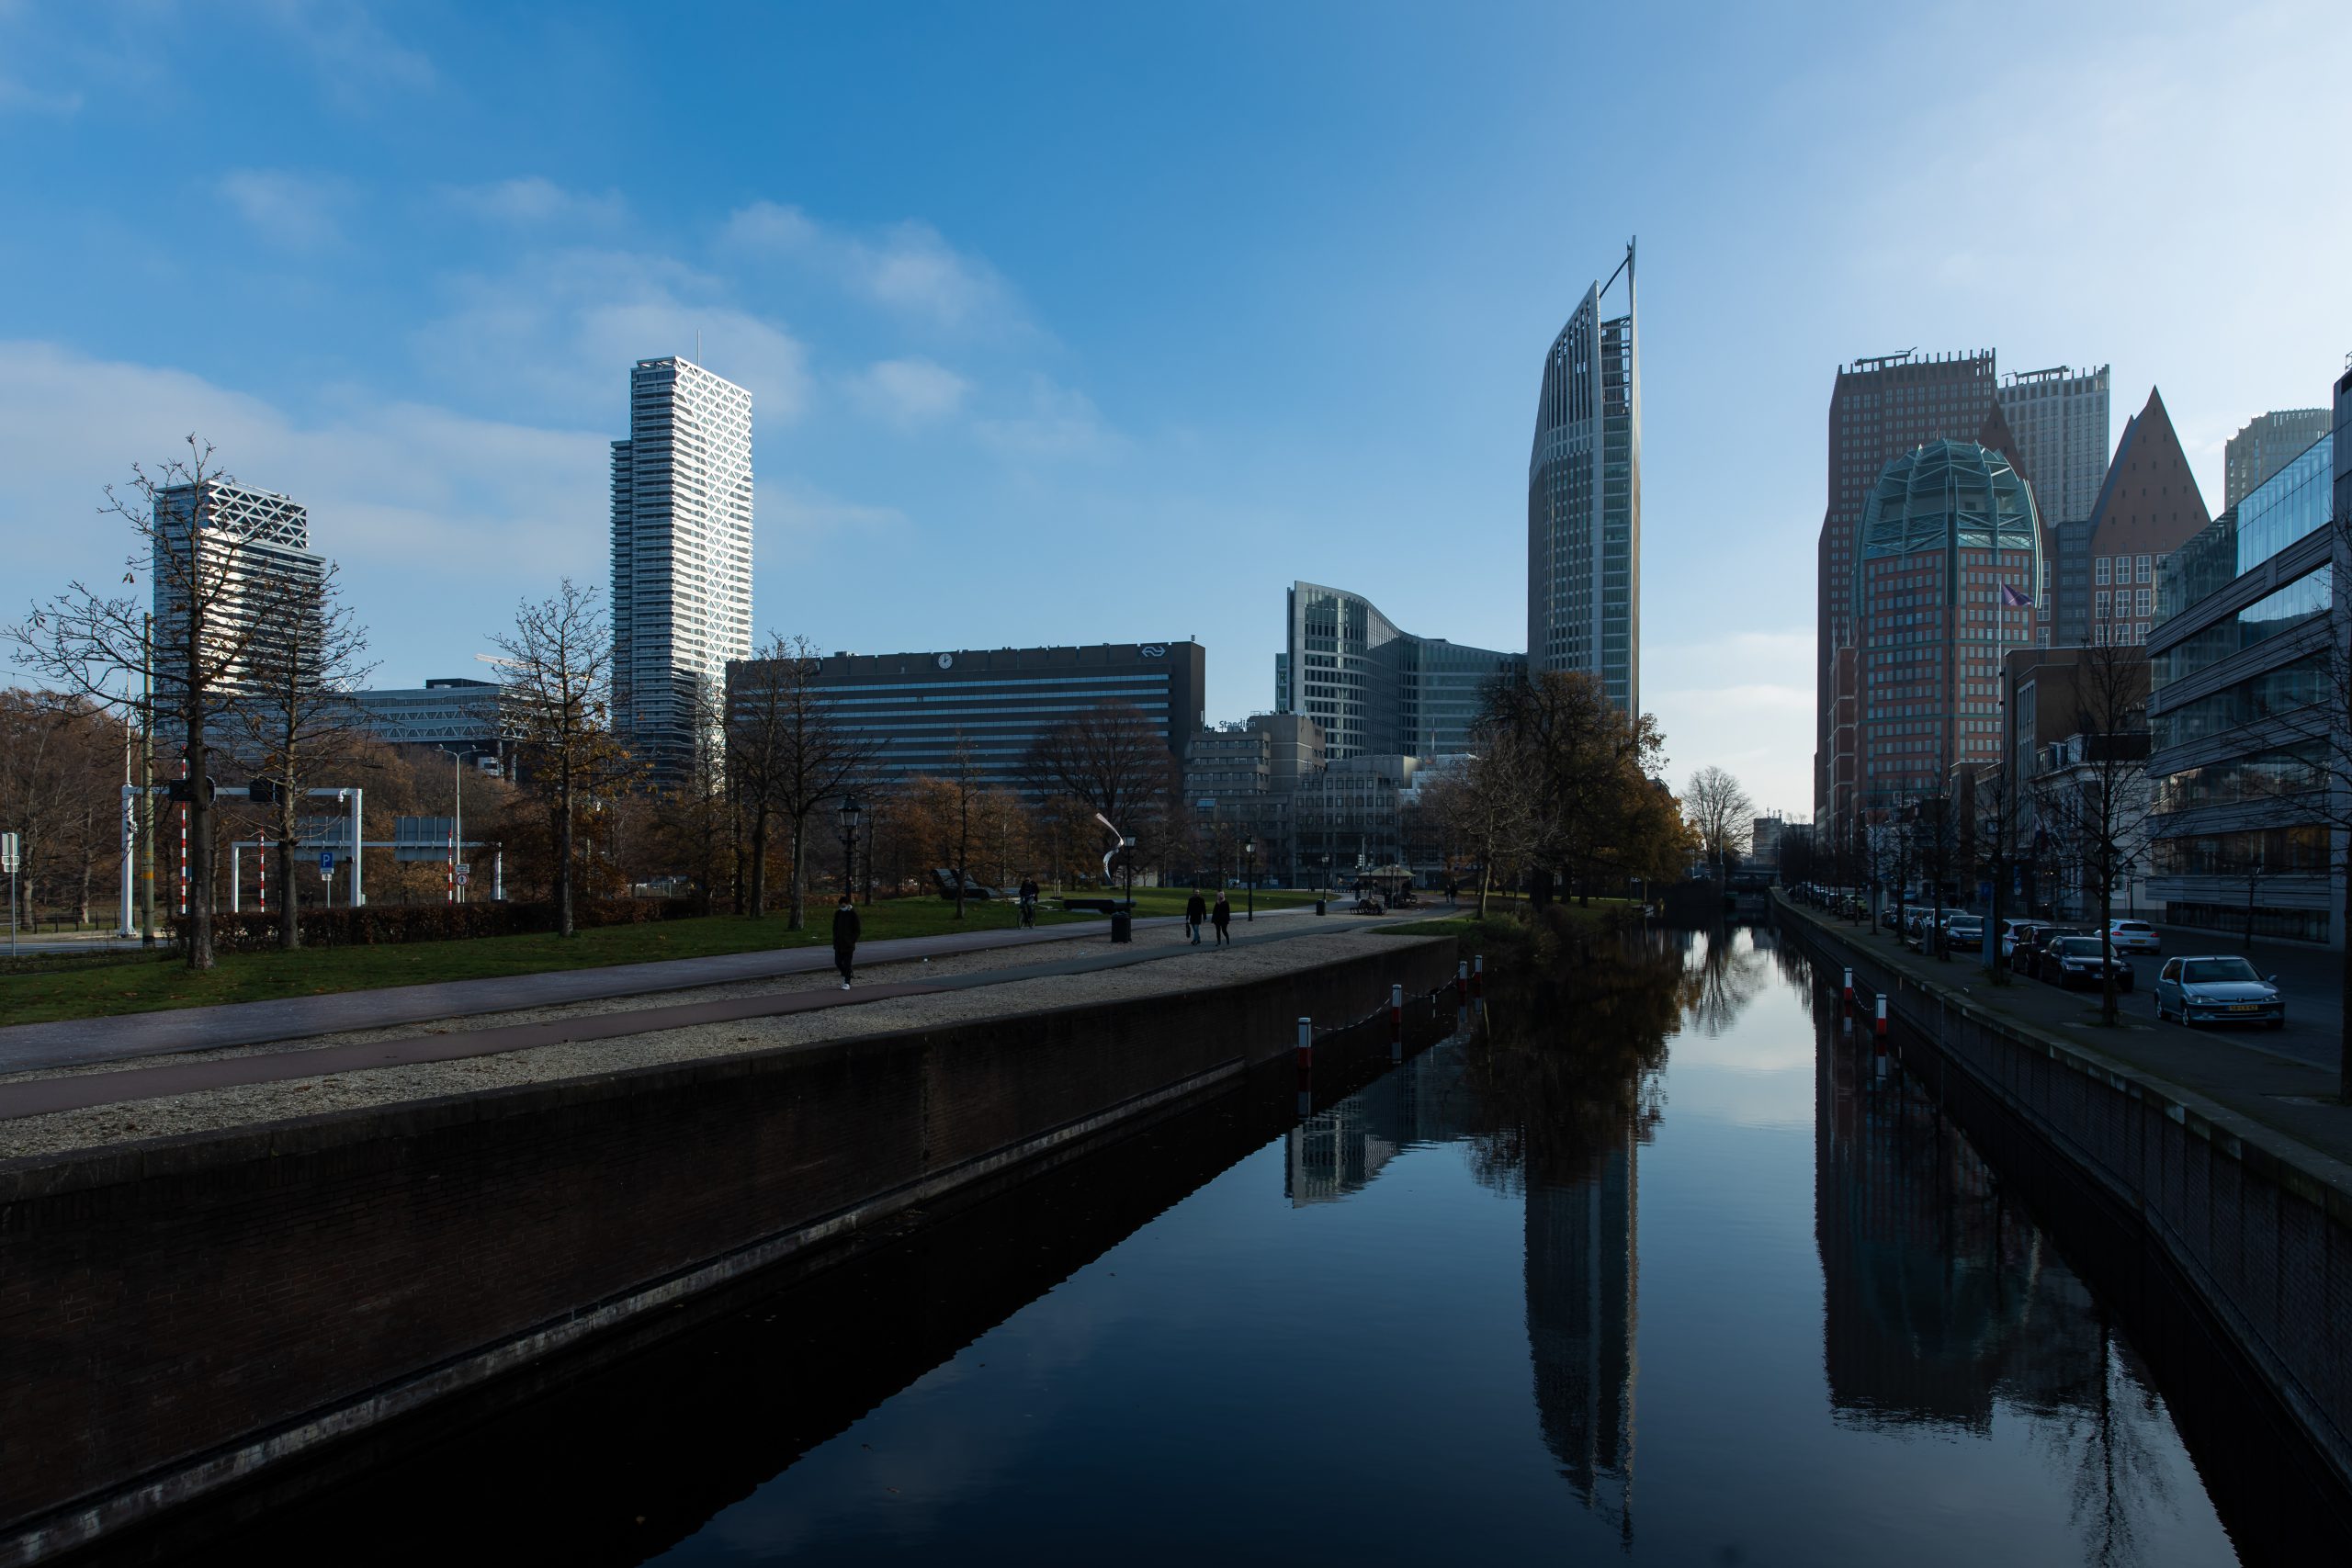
(252, 930)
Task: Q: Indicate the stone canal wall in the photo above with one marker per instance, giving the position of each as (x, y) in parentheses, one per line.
(2257, 1225)
(184, 1313)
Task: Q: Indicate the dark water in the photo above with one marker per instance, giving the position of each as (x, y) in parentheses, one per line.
(1661, 1268)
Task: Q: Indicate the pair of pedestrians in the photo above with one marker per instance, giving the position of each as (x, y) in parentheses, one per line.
(1196, 911)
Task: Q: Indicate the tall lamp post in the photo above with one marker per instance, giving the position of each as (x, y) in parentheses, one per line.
(1250, 855)
(457, 826)
(850, 812)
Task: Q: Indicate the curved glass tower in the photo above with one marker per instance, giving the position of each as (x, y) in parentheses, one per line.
(1948, 555)
(1584, 501)
(1378, 691)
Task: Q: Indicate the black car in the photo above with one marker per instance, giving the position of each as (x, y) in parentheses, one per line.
(2078, 961)
(2025, 955)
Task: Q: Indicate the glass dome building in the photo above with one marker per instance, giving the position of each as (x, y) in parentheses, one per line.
(1946, 564)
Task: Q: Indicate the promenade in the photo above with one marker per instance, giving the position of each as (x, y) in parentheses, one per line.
(71, 1088)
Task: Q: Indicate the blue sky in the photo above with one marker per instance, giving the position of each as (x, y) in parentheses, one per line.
(1078, 324)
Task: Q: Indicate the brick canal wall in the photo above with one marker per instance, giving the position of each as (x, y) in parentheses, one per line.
(2257, 1228)
(183, 1314)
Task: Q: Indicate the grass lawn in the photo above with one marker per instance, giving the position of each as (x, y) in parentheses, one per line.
(147, 987)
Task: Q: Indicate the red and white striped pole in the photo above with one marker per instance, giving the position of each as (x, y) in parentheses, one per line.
(183, 842)
(1878, 1045)
(261, 863)
(1397, 1024)
(1849, 988)
(1462, 982)
(1304, 1055)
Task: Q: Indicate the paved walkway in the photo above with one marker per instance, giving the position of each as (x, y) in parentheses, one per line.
(2248, 1071)
(38, 1096)
(27, 1047)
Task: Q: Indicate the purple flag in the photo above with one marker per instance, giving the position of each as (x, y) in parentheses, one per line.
(2012, 599)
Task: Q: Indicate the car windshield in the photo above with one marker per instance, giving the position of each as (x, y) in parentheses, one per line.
(2215, 971)
(2076, 947)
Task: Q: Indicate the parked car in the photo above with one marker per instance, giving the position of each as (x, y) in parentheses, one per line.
(2014, 931)
(2133, 936)
(1965, 934)
(2073, 961)
(2223, 989)
(2026, 956)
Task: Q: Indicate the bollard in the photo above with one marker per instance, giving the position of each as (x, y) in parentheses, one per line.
(1882, 1015)
(1478, 975)
(1461, 981)
(1304, 1054)
(1849, 984)
(1397, 1024)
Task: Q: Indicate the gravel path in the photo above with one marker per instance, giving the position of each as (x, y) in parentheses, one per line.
(1169, 972)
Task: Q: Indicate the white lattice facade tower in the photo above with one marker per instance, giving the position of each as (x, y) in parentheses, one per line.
(681, 556)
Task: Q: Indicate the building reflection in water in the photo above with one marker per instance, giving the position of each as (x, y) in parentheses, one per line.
(1553, 1102)
(1946, 1306)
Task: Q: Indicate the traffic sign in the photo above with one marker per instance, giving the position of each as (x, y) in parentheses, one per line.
(9, 853)
(461, 876)
(326, 865)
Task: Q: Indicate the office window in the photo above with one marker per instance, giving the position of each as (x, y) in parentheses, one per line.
(2146, 569)
(2140, 600)
(2099, 567)
(2098, 602)
(2139, 631)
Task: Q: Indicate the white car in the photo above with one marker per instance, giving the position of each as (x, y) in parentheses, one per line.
(2133, 936)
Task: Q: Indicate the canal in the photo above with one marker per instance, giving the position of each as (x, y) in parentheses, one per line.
(1662, 1265)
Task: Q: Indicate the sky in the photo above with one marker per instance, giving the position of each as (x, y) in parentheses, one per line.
(1078, 324)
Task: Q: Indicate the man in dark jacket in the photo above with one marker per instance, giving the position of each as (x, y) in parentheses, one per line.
(1221, 917)
(1196, 914)
(845, 933)
(1029, 893)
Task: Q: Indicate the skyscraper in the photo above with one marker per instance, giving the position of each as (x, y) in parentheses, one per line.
(2060, 416)
(2268, 443)
(2148, 507)
(251, 566)
(681, 556)
(1949, 547)
(1376, 690)
(1584, 501)
(1880, 409)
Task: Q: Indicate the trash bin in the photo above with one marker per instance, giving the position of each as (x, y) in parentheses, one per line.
(1123, 926)
(1319, 907)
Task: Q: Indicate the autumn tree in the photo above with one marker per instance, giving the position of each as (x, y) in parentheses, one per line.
(61, 771)
(1719, 813)
(1489, 805)
(1599, 809)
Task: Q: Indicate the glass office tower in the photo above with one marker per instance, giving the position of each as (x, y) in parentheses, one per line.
(1584, 501)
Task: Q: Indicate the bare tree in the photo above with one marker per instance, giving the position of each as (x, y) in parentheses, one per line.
(1719, 811)
(1489, 804)
(559, 665)
(297, 716)
(1111, 758)
(944, 811)
(192, 634)
(1599, 808)
(61, 763)
(793, 753)
(2099, 802)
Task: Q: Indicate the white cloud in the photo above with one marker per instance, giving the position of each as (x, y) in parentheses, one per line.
(355, 58)
(295, 212)
(1050, 421)
(17, 97)
(535, 199)
(440, 522)
(797, 519)
(561, 331)
(907, 267)
(909, 391)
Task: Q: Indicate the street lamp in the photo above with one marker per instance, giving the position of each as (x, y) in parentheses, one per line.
(850, 812)
(457, 826)
(1249, 854)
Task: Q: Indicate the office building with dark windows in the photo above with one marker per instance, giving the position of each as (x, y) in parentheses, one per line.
(2061, 419)
(1373, 689)
(1880, 409)
(2266, 444)
(1584, 498)
(1947, 554)
(2247, 655)
(919, 709)
(463, 717)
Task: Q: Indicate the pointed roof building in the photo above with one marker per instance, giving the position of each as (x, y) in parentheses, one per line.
(2148, 507)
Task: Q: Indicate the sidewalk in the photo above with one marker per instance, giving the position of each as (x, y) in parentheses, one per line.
(68, 1043)
(2247, 1071)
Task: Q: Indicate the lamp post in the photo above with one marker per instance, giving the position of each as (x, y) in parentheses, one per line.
(1250, 855)
(850, 812)
(456, 826)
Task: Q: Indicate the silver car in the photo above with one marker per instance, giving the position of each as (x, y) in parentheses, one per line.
(2223, 989)
(2133, 936)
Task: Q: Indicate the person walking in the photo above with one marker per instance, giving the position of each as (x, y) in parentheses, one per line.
(1453, 889)
(1029, 892)
(1221, 917)
(1196, 913)
(845, 933)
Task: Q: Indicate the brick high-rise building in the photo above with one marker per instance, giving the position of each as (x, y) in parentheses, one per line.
(2105, 574)
(1880, 409)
